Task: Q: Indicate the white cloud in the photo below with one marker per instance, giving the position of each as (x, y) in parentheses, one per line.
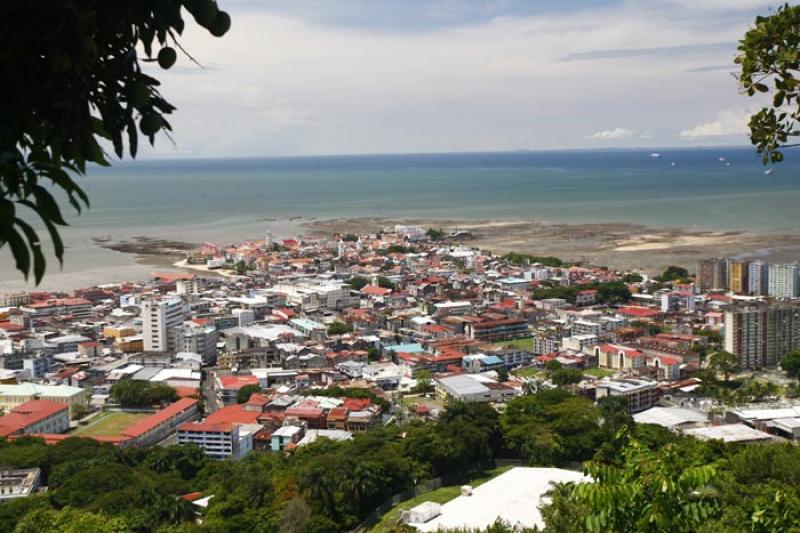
(287, 85)
(731, 122)
(615, 134)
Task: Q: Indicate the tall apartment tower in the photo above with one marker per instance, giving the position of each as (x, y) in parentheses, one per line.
(738, 272)
(758, 278)
(761, 335)
(712, 274)
(161, 325)
(783, 281)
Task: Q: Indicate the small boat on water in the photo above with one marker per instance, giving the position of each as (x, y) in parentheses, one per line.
(721, 159)
(769, 172)
(655, 155)
(672, 163)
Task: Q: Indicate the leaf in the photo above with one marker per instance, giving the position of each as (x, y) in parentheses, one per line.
(36, 247)
(48, 208)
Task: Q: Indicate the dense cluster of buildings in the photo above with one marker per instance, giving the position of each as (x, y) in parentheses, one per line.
(391, 314)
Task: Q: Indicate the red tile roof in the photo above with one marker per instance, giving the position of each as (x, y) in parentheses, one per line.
(234, 414)
(151, 422)
(237, 382)
(27, 414)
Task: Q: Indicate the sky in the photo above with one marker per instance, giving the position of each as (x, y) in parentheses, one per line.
(302, 77)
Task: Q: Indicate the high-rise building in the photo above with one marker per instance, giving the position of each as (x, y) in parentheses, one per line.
(758, 278)
(161, 325)
(762, 334)
(784, 281)
(712, 274)
(737, 276)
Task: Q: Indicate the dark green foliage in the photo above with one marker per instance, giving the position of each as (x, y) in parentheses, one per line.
(244, 393)
(632, 277)
(77, 79)
(614, 292)
(566, 376)
(791, 364)
(339, 328)
(398, 249)
(385, 283)
(349, 237)
(519, 259)
(358, 283)
(770, 55)
(436, 234)
(673, 273)
(551, 427)
(135, 393)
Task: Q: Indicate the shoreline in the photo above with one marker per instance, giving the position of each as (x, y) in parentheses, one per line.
(619, 245)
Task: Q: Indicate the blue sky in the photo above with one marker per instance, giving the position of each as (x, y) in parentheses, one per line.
(297, 77)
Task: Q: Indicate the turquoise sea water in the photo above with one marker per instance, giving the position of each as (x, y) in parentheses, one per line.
(232, 199)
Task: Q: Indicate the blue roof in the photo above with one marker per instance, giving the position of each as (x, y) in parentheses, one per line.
(492, 360)
(407, 348)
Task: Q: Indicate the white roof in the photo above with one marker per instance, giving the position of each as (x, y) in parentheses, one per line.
(669, 417)
(514, 496)
(728, 433)
(176, 373)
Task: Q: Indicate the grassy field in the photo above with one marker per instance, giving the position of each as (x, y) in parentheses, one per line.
(598, 372)
(432, 403)
(529, 372)
(111, 423)
(521, 344)
(441, 495)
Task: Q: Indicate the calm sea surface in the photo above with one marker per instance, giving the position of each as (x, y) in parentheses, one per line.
(233, 199)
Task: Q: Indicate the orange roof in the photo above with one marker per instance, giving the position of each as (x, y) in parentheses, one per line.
(237, 382)
(159, 417)
(169, 277)
(27, 414)
(233, 414)
(373, 290)
(639, 311)
(209, 427)
(187, 392)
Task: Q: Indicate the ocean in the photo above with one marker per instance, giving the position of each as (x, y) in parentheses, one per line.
(228, 200)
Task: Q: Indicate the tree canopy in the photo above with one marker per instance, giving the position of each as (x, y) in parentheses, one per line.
(770, 65)
(78, 85)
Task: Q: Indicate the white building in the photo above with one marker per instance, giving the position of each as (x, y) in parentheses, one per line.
(783, 281)
(19, 483)
(312, 295)
(161, 320)
(219, 440)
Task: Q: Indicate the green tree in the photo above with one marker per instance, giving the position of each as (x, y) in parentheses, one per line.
(673, 273)
(424, 382)
(385, 282)
(79, 411)
(724, 362)
(244, 393)
(137, 393)
(435, 234)
(373, 354)
(790, 363)
(566, 376)
(78, 79)
(339, 328)
(651, 491)
(632, 277)
(770, 53)
(70, 521)
(358, 283)
(502, 374)
(241, 268)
